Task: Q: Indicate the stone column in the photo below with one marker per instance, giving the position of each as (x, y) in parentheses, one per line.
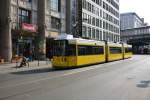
(5, 30)
(63, 16)
(68, 17)
(42, 28)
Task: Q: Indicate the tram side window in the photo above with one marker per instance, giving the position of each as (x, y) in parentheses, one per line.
(127, 50)
(98, 50)
(71, 50)
(82, 50)
(115, 50)
(90, 50)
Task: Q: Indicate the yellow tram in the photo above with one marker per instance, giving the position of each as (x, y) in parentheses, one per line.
(78, 52)
(114, 51)
(71, 53)
(127, 51)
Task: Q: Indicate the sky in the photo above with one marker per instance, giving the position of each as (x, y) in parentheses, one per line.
(141, 7)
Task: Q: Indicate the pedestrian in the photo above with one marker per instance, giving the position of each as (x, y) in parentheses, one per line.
(30, 55)
(24, 62)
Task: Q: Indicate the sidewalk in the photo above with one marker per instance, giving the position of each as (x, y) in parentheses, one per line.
(12, 67)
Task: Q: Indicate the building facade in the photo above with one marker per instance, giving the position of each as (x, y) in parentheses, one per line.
(139, 38)
(131, 20)
(132, 25)
(23, 26)
(51, 22)
(95, 19)
(133, 33)
(28, 26)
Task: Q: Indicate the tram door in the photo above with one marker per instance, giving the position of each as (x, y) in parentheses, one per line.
(20, 48)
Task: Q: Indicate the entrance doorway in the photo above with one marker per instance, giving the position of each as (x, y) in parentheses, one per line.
(49, 48)
(24, 47)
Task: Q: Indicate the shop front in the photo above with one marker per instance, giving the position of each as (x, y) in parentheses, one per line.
(24, 41)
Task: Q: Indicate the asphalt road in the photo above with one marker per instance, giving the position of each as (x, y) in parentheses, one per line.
(120, 80)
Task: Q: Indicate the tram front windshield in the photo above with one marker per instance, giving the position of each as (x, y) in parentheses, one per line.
(62, 48)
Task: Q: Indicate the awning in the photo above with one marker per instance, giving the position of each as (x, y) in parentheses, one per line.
(29, 27)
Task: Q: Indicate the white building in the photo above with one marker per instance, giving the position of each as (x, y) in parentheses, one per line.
(100, 19)
(131, 20)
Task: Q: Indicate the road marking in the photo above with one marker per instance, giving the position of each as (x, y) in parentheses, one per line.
(67, 74)
(49, 78)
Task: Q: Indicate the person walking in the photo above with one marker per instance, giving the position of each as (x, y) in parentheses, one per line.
(24, 62)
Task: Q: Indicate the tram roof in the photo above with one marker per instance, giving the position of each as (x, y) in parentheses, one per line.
(114, 44)
(81, 41)
(126, 45)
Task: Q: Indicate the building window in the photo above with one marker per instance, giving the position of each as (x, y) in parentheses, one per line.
(89, 6)
(93, 21)
(55, 4)
(104, 35)
(97, 22)
(89, 19)
(84, 31)
(84, 4)
(89, 32)
(97, 34)
(93, 33)
(55, 23)
(29, 1)
(100, 35)
(24, 16)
